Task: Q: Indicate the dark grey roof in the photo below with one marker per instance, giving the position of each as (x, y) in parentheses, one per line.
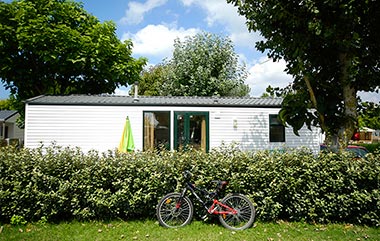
(6, 114)
(155, 101)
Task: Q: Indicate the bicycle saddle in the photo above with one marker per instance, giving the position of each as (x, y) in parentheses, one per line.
(220, 185)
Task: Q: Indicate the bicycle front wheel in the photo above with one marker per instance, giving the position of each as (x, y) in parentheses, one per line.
(174, 211)
(245, 212)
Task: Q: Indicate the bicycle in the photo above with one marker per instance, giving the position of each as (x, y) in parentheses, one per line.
(235, 211)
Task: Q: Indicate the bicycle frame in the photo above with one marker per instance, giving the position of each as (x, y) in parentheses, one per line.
(215, 202)
(235, 211)
(214, 206)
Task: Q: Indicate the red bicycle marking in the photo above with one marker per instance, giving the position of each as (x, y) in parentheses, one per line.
(213, 209)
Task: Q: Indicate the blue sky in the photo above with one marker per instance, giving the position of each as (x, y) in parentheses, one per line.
(152, 25)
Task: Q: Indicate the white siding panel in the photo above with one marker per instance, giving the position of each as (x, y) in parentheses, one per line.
(89, 127)
(251, 131)
(307, 138)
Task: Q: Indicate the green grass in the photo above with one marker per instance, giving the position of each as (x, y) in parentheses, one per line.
(197, 230)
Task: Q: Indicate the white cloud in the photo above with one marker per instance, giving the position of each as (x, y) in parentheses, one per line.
(226, 15)
(136, 11)
(266, 72)
(156, 41)
(188, 2)
(217, 11)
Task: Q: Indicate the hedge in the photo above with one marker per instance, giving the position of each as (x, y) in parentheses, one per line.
(371, 147)
(59, 184)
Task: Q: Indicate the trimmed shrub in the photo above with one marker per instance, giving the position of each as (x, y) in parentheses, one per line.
(371, 147)
(57, 184)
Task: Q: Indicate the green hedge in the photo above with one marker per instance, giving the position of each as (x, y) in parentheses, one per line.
(371, 147)
(58, 184)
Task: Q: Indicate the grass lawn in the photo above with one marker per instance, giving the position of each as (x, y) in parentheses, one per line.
(197, 230)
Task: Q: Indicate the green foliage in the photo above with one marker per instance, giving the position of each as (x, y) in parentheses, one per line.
(56, 47)
(152, 80)
(4, 105)
(202, 65)
(371, 147)
(8, 104)
(57, 184)
(331, 50)
(369, 115)
(18, 220)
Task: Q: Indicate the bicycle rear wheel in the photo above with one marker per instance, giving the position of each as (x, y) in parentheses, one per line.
(173, 212)
(245, 212)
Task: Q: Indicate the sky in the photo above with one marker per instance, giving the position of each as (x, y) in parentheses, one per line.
(152, 25)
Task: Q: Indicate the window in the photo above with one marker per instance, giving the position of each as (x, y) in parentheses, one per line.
(191, 130)
(4, 131)
(156, 130)
(367, 136)
(276, 129)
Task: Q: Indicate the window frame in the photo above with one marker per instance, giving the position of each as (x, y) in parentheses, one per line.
(277, 135)
(168, 146)
(187, 115)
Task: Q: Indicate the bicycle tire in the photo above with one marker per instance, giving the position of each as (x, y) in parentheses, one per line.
(245, 212)
(170, 216)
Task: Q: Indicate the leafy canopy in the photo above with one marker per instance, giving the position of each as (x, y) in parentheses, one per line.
(202, 65)
(152, 80)
(8, 104)
(332, 51)
(56, 47)
(369, 115)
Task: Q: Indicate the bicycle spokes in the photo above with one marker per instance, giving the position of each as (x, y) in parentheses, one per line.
(174, 211)
(242, 211)
(243, 215)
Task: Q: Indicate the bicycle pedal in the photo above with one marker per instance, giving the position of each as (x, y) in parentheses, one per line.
(204, 217)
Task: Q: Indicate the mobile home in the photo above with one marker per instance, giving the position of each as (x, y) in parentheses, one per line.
(97, 122)
(10, 133)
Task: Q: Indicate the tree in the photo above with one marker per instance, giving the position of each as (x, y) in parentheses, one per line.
(152, 80)
(369, 115)
(56, 47)
(332, 51)
(8, 104)
(5, 105)
(203, 65)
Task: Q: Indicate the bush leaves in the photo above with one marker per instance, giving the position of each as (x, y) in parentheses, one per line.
(58, 184)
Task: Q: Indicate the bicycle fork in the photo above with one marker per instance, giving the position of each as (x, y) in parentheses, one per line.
(179, 202)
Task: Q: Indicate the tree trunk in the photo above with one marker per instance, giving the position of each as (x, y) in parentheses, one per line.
(350, 103)
(351, 115)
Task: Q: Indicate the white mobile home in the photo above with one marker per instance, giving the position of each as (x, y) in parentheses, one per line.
(96, 122)
(9, 131)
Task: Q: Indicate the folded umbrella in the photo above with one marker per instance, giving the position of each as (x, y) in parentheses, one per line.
(127, 143)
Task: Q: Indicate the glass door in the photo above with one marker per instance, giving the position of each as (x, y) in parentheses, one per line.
(191, 130)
